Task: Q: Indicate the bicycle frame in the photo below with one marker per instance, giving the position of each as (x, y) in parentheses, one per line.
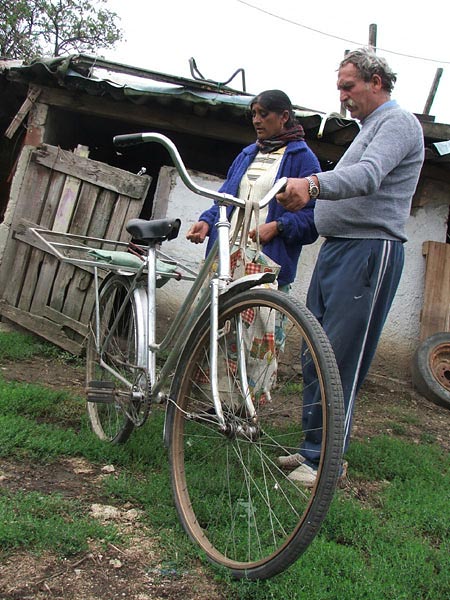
(188, 315)
(185, 319)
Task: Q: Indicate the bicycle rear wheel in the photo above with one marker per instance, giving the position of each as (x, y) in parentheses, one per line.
(115, 373)
(232, 498)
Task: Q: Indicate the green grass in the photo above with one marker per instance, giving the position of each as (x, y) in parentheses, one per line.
(15, 345)
(40, 522)
(385, 539)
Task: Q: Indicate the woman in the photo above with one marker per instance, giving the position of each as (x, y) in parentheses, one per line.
(279, 151)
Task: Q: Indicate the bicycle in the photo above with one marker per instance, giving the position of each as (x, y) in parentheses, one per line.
(222, 434)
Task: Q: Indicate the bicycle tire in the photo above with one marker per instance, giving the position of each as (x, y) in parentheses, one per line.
(224, 486)
(110, 403)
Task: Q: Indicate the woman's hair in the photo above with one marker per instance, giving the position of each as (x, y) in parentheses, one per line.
(369, 64)
(275, 101)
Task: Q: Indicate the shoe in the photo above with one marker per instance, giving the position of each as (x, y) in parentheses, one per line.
(291, 461)
(305, 475)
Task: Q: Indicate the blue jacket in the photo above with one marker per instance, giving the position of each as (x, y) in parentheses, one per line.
(299, 229)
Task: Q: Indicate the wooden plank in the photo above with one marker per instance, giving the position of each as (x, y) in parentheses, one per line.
(23, 234)
(91, 171)
(31, 98)
(122, 211)
(66, 322)
(436, 304)
(41, 327)
(61, 299)
(61, 221)
(67, 201)
(95, 226)
(36, 259)
(15, 260)
(100, 227)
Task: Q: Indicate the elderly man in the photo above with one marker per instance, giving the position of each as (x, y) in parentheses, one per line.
(361, 210)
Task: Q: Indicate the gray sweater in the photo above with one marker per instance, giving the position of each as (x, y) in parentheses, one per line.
(369, 192)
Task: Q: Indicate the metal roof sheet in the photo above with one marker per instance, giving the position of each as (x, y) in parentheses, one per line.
(96, 76)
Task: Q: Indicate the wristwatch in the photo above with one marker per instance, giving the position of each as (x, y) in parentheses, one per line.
(280, 226)
(313, 188)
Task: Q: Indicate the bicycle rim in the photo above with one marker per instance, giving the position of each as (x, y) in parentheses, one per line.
(118, 386)
(233, 499)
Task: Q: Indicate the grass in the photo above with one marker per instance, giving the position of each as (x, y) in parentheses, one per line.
(389, 543)
(39, 522)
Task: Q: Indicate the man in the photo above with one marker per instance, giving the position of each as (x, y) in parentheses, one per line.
(362, 208)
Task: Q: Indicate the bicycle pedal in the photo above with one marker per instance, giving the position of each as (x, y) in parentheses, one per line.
(101, 392)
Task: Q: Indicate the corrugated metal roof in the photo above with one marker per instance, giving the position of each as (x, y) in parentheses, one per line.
(96, 76)
(122, 82)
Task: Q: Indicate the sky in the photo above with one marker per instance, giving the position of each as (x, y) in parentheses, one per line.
(290, 44)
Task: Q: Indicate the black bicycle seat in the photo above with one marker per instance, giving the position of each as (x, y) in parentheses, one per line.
(154, 231)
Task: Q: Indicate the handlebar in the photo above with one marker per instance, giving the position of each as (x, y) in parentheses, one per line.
(132, 139)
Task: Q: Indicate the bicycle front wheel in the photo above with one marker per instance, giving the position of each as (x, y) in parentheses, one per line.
(233, 499)
(115, 373)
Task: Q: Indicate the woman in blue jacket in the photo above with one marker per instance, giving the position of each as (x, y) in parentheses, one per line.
(279, 151)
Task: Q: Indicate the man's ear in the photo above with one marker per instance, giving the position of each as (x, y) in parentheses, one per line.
(376, 82)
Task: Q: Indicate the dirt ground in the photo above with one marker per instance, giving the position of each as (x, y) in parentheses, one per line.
(137, 572)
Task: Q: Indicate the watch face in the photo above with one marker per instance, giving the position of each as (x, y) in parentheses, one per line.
(313, 188)
(313, 191)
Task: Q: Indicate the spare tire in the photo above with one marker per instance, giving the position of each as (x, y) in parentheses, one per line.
(431, 368)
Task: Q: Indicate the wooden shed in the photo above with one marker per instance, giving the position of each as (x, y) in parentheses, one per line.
(59, 170)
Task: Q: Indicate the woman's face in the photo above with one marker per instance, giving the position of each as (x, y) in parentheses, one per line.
(267, 123)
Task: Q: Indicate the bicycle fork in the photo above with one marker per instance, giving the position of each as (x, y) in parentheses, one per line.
(217, 285)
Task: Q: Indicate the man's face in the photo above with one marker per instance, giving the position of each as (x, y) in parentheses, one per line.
(359, 97)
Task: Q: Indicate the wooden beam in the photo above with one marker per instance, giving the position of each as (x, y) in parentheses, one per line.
(95, 172)
(154, 115)
(433, 90)
(33, 95)
(435, 316)
(42, 327)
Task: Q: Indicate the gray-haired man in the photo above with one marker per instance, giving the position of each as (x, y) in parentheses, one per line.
(361, 210)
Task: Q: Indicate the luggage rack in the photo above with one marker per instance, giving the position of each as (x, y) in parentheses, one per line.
(80, 250)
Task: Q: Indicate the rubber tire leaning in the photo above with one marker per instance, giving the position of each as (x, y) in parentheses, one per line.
(431, 369)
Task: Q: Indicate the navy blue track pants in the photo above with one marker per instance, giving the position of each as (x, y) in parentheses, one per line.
(351, 292)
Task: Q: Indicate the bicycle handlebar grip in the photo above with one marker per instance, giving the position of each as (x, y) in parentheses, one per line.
(128, 139)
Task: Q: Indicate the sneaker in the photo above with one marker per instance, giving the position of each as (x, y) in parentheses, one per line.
(291, 461)
(306, 476)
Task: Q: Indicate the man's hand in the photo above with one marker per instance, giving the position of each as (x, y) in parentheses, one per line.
(267, 231)
(295, 196)
(198, 232)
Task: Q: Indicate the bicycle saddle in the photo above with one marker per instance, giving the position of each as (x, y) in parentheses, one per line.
(154, 231)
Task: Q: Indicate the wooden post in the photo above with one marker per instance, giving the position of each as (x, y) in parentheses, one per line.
(373, 36)
(433, 90)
